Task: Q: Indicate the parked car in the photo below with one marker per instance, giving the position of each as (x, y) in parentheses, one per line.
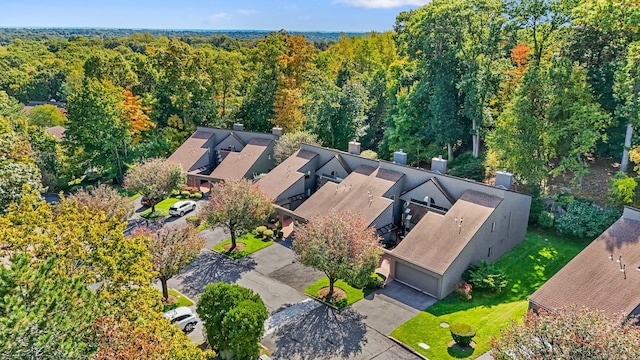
(183, 317)
(181, 207)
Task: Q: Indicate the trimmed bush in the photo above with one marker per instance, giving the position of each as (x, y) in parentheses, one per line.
(260, 230)
(175, 193)
(486, 276)
(585, 220)
(185, 194)
(193, 219)
(622, 190)
(268, 234)
(463, 289)
(462, 334)
(196, 196)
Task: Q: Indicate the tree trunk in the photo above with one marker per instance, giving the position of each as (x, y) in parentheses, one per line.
(165, 290)
(449, 152)
(329, 296)
(475, 139)
(233, 240)
(153, 207)
(627, 145)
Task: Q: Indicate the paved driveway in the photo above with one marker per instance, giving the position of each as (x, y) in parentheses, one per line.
(387, 308)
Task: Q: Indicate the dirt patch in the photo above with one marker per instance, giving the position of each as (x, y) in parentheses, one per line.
(171, 300)
(338, 294)
(595, 184)
(239, 247)
(444, 324)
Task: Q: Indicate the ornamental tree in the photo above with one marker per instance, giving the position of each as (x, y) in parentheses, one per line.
(106, 199)
(288, 144)
(341, 245)
(233, 318)
(155, 179)
(237, 205)
(569, 333)
(171, 249)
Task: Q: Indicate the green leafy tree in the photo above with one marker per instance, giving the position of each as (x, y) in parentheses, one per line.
(46, 116)
(233, 318)
(236, 205)
(45, 315)
(97, 134)
(568, 333)
(627, 91)
(341, 245)
(288, 144)
(155, 179)
(622, 190)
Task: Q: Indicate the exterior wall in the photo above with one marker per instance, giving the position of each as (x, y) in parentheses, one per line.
(394, 194)
(263, 164)
(296, 189)
(334, 166)
(310, 182)
(229, 143)
(631, 213)
(385, 218)
(431, 190)
(507, 232)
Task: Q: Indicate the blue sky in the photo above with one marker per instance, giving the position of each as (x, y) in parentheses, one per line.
(309, 15)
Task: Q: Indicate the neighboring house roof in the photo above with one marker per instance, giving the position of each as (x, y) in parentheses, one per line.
(362, 191)
(594, 278)
(236, 165)
(56, 131)
(283, 176)
(191, 154)
(436, 241)
(31, 104)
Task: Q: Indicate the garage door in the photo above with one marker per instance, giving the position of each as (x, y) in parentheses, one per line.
(413, 277)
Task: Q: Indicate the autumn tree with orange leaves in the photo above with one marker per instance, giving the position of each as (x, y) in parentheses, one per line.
(136, 115)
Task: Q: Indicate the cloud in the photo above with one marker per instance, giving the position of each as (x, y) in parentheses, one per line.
(217, 17)
(372, 4)
(247, 12)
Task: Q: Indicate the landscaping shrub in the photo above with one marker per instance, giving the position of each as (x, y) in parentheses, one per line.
(376, 281)
(193, 219)
(278, 225)
(622, 190)
(546, 219)
(464, 289)
(175, 193)
(536, 206)
(340, 304)
(486, 276)
(462, 334)
(260, 230)
(585, 220)
(190, 189)
(268, 234)
(196, 196)
(185, 194)
(466, 166)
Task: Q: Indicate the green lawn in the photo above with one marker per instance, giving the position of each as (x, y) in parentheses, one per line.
(353, 294)
(181, 301)
(162, 209)
(527, 266)
(253, 245)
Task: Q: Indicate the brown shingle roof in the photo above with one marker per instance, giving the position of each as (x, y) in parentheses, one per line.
(236, 165)
(278, 180)
(56, 131)
(192, 151)
(436, 241)
(353, 194)
(593, 279)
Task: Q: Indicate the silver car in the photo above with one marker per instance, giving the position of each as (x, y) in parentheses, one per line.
(181, 207)
(183, 317)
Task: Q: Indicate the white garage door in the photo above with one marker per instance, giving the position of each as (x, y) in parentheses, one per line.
(413, 277)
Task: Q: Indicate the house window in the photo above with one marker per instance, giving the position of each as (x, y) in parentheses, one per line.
(489, 252)
(493, 226)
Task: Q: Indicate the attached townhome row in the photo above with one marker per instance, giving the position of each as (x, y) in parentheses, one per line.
(432, 225)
